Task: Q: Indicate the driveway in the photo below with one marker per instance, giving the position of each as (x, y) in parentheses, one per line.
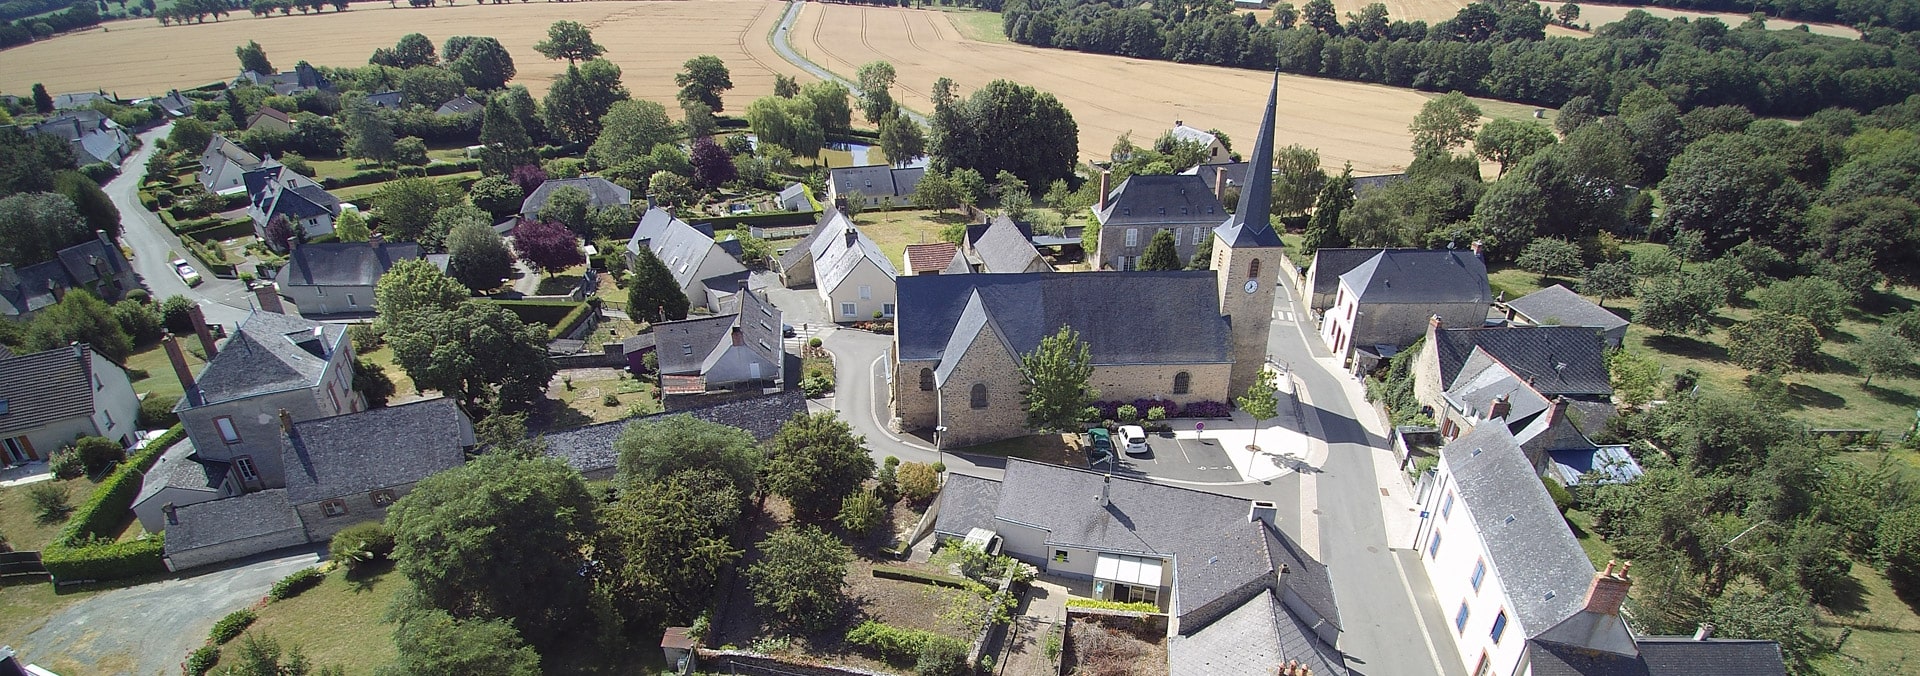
(224, 301)
(149, 629)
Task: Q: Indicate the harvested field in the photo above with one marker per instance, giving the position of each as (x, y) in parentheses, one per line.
(1109, 95)
(1598, 15)
(1432, 11)
(649, 40)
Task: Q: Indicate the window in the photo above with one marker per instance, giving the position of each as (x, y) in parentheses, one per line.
(247, 471)
(848, 310)
(1253, 269)
(686, 349)
(1499, 626)
(1177, 235)
(1133, 237)
(350, 302)
(333, 508)
(96, 382)
(926, 379)
(1059, 556)
(866, 292)
(1433, 546)
(1479, 573)
(382, 497)
(1182, 381)
(1446, 505)
(1460, 618)
(978, 396)
(886, 309)
(104, 413)
(1485, 667)
(228, 433)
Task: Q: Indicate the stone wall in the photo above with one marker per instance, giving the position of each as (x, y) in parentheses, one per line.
(257, 421)
(227, 551)
(360, 507)
(987, 362)
(916, 408)
(1206, 382)
(1427, 388)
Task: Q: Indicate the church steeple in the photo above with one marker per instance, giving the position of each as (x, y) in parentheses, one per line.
(1252, 222)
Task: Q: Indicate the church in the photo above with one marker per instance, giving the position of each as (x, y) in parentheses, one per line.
(1187, 336)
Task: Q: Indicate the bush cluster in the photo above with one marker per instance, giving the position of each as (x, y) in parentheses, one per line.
(202, 660)
(77, 552)
(361, 544)
(229, 627)
(931, 652)
(1098, 604)
(1143, 408)
(291, 585)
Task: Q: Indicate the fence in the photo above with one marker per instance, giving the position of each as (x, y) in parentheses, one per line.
(21, 563)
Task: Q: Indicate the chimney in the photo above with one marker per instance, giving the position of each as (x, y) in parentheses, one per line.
(1476, 250)
(8, 277)
(1499, 408)
(1435, 322)
(1263, 511)
(1609, 590)
(104, 239)
(1179, 123)
(1295, 668)
(1220, 184)
(1106, 177)
(1106, 491)
(172, 518)
(853, 236)
(206, 336)
(738, 339)
(59, 292)
(286, 422)
(1704, 632)
(268, 297)
(179, 360)
(1559, 410)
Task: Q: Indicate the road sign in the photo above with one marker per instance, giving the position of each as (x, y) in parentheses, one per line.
(1199, 427)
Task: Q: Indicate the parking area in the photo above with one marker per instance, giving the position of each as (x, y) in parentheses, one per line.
(1180, 459)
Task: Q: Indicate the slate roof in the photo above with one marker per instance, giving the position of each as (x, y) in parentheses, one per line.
(182, 467)
(802, 251)
(590, 448)
(79, 99)
(1126, 317)
(1366, 184)
(1559, 305)
(1252, 221)
(931, 258)
(458, 106)
(683, 248)
(875, 180)
(1004, 247)
(1161, 199)
(175, 104)
(278, 191)
(637, 343)
(389, 100)
(685, 344)
(1185, 133)
(602, 193)
(1661, 656)
(1329, 264)
(794, 198)
(268, 113)
(236, 518)
(222, 150)
(1414, 276)
(834, 258)
(376, 448)
(72, 267)
(269, 352)
(1527, 542)
(1555, 360)
(1217, 550)
(344, 263)
(45, 387)
(1254, 638)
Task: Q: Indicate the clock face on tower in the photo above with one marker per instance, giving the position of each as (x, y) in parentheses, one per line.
(1253, 285)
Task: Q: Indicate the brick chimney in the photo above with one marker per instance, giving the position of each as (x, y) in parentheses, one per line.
(1295, 668)
(268, 298)
(1220, 184)
(1106, 491)
(738, 338)
(1499, 408)
(1609, 590)
(179, 360)
(1106, 177)
(172, 518)
(853, 236)
(1477, 253)
(1559, 409)
(206, 335)
(376, 239)
(59, 292)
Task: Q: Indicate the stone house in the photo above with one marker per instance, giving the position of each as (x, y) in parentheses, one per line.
(874, 185)
(1559, 306)
(48, 399)
(1385, 303)
(1236, 590)
(1322, 276)
(1003, 246)
(210, 532)
(224, 165)
(703, 268)
(854, 278)
(1144, 205)
(348, 469)
(92, 136)
(96, 265)
(339, 277)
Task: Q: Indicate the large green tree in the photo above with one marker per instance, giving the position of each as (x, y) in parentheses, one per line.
(500, 537)
(653, 449)
(478, 352)
(34, 226)
(369, 134)
(1818, 300)
(1730, 189)
(1507, 141)
(817, 461)
(1774, 343)
(876, 96)
(477, 257)
(1549, 257)
(1882, 351)
(901, 139)
(667, 541)
(1444, 123)
(1161, 253)
(436, 642)
(631, 129)
(787, 122)
(479, 61)
(569, 206)
(571, 41)
(579, 98)
(415, 286)
(830, 109)
(703, 78)
(652, 294)
(1297, 180)
(430, 86)
(253, 57)
(1006, 126)
(508, 145)
(407, 206)
(1611, 279)
(88, 199)
(800, 577)
(1323, 229)
(79, 317)
(1054, 378)
(1680, 304)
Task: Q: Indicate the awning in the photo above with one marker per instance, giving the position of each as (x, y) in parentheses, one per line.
(1128, 570)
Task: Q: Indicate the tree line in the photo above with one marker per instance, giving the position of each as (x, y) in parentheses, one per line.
(1901, 15)
(1499, 50)
(21, 31)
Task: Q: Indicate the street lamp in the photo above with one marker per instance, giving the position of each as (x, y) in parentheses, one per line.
(939, 437)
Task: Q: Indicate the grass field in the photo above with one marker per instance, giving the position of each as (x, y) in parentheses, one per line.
(160, 379)
(338, 622)
(894, 230)
(20, 522)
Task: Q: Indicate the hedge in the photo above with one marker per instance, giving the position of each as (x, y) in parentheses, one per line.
(218, 229)
(111, 561)
(202, 660)
(359, 178)
(70, 557)
(1098, 604)
(550, 313)
(570, 322)
(291, 585)
(935, 579)
(229, 627)
(898, 644)
(772, 219)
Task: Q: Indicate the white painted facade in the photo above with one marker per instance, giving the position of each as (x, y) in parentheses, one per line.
(1451, 551)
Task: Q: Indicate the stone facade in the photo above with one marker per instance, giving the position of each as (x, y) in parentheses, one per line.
(916, 402)
(360, 507)
(987, 363)
(257, 421)
(234, 549)
(1126, 382)
(1251, 309)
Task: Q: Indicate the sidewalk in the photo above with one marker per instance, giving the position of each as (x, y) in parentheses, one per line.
(1398, 509)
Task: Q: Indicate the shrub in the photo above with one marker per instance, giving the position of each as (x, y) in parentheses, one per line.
(365, 338)
(815, 385)
(139, 296)
(291, 585)
(896, 644)
(229, 627)
(860, 512)
(918, 481)
(156, 411)
(1562, 500)
(361, 544)
(610, 400)
(813, 342)
(105, 561)
(888, 487)
(1098, 604)
(202, 660)
(1157, 414)
(1206, 409)
(99, 454)
(66, 464)
(942, 658)
(49, 501)
(175, 314)
(1128, 414)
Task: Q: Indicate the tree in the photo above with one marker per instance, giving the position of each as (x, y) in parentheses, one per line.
(754, 252)
(1507, 141)
(430, 86)
(498, 537)
(801, 576)
(901, 139)
(1006, 126)
(1774, 343)
(369, 135)
(412, 51)
(481, 62)
(1262, 400)
(1881, 352)
(138, 319)
(652, 293)
(787, 122)
(712, 166)
(34, 226)
(507, 143)
(1780, 615)
(568, 206)
(253, 58)
(1815, 299)
(80, 317)
(936, 191)
(569, 40)
(817, 461)
(406, 207)
(703, 78)
(42, 101)
(785, 86)
(861, 512)
(495, 195)
(1320, 15)
(435, 642)
(1054, 380)
(876, 100)
(477, 257)
(1549, 257)
(1444, 123)
(410, 152)
(1160, 253)
(475, 352)
(666, 542)
(578, 100)
(1635, 376)
(413, 287)
(1567, 14)
(548, 245)
(630, 129)
(1297, 180)
(190, 134)
(830, 109)
(656, 448)
(1611, 279)
(1323, 230)
(279, 232)
(1730, 189)
(1680, 304)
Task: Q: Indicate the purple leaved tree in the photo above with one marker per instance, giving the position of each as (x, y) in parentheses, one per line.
(712, 165)
(548, 244)
(528, 177)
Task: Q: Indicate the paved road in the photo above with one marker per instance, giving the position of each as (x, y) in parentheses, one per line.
(149, 629)
(785, 48)
(224, 301)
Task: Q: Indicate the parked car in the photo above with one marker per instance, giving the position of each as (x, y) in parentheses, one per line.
(186, 272)
(786, 330)
(1135, 438)
(1101, 450)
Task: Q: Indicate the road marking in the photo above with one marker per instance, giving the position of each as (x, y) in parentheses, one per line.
(1426, 634)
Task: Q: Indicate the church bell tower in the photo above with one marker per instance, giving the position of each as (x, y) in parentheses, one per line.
(1246, 259)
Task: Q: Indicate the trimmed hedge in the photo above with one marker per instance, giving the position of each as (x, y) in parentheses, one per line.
(74, 556)
(359, 178)
(550, 313)
(229, 627)
(1098, 604)
(935, 579)
(898, 644)
(299, 581)
(570, 322)
(771, 219)
(218, 229)
(202, 660)
(110, 561)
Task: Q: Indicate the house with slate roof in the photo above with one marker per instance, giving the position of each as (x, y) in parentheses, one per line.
(1385, 303)
(275, 191)
(1521, 595)
(460, 105)
(270, 119)
(600, 192)
(48, 399)
(1216, 151)
(286, 83)
(224, 165)
(852, 275)
(705, 271)
(76, 100)
(589, 449)
(96, 265)
(729, 351)
(346, 469)
(1559, 306)
(1323, 274)
(175, 103)
(339, 277)
(90, 135)
(795, 197)
(1003, 246)
(388, 100)
(874, 185)
(1189, 335)
(182, 477)
(1241, 596)
(1143, 205)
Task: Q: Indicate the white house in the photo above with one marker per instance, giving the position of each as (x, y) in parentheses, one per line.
(732, 350)
(874, 185)
(704, 270)
(1216, 151)
(276, 191)
(853, 276)
(48, 399)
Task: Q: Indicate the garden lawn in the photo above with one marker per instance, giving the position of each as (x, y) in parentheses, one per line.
(159, 378)
(588, 398)
(894, 230)
(338, 622)
(1882, 641)
(20, 522)
(403, 388)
